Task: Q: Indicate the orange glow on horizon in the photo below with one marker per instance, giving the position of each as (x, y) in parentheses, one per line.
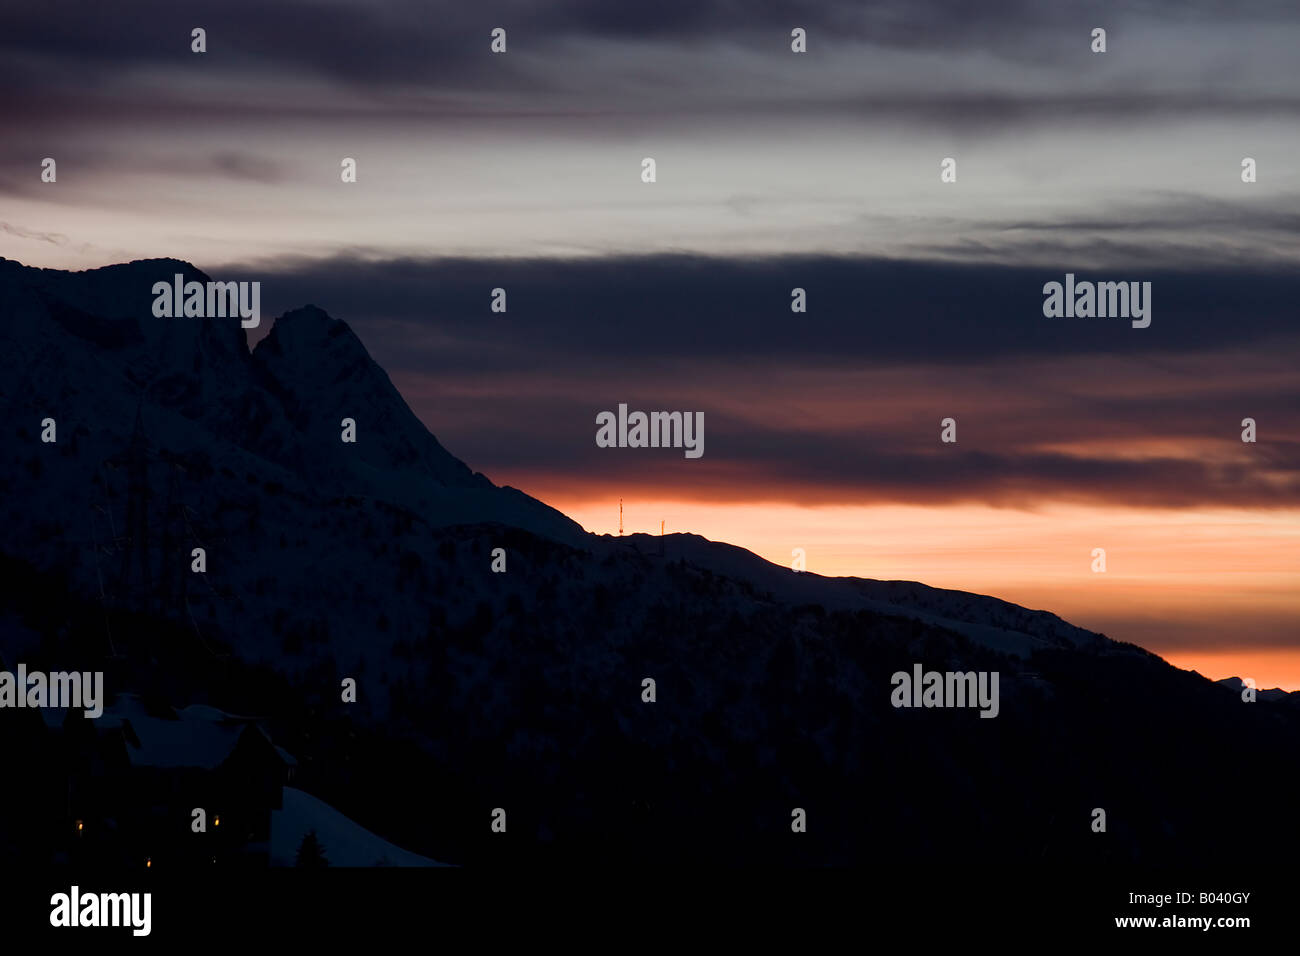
(1214, 591)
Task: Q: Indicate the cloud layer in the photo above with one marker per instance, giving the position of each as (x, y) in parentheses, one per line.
(1101, 158)
(841, 404)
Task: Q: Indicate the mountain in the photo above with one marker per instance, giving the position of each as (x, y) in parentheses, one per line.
(322, 374)
(270, 416)
(990, 622)
(1236, 684)
(325, 560)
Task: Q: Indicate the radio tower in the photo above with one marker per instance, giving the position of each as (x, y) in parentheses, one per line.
(620, 515)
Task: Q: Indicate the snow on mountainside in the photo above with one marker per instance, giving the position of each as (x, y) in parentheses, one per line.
(276, 414)
(322, 374)
(85, 349)
(325, 375)
(988, 621)
(1236, 684)
(344, 842)
(372, 561)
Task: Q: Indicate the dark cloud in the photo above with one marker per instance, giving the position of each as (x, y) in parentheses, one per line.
(894, 457)
(401, 55)
(55, 238)
(413, 38)
(841, 404)
(1175, 630)
(859, 470)
(82, 168)
(863, 311)
(252, 168)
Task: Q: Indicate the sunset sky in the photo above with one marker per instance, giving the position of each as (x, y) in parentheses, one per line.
(775, 170)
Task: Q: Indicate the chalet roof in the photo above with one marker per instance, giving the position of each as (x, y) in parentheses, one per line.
(208, 712)
(198, 736)
(181, 743)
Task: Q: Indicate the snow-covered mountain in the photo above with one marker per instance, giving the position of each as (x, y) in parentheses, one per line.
(524, 690)
(993, 623)
(343, 842)
(1236, 684)
(272, 419)
(274, 413)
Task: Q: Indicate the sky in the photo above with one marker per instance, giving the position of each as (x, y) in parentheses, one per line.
(775, 170)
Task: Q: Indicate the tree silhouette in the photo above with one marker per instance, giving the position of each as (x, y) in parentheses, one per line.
(311, 854)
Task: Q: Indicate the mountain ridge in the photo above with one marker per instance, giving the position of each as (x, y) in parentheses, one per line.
(319, 372)
(374, 561)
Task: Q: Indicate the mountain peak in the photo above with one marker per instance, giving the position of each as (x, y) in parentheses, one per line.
(162, 264)
(309, 329)
(324, 373)
(121, 290)
(325, 376)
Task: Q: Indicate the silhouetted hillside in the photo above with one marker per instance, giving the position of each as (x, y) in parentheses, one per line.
(522, 690)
